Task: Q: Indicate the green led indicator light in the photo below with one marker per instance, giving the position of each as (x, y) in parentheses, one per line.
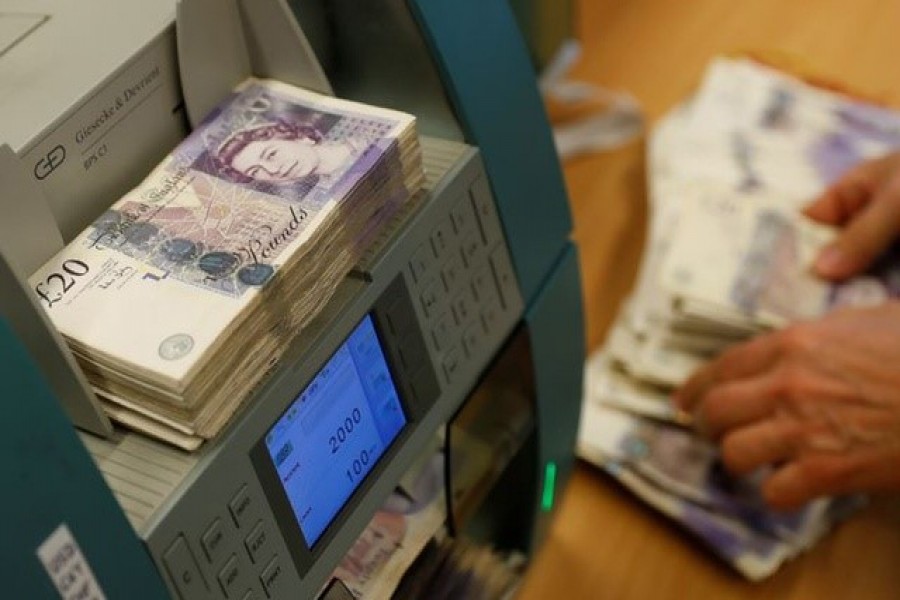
(549, 486)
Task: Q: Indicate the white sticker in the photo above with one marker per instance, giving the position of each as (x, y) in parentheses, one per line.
(67, 567)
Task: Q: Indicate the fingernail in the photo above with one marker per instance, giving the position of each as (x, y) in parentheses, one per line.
(831, 261)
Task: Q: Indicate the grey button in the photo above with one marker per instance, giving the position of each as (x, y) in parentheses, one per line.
(483, 284)
(462, 307)
(420, 262)
(412, 352)
(183, 569)
(442, 332)
(471, 248)
(503, 272)
(451, 273)
(212, 541)
(483, 203)
(240, 506)
(461, 216)
(229, 575)
(256, 542)
(430, 298)
(271, 577)
(400, 318)
(472, 339)
(441, 237)
(451, 364)
(490, 316)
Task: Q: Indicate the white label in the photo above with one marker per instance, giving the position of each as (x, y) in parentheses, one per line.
(67, 567)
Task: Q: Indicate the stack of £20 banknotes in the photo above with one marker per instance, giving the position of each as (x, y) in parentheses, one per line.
(728, 256)
(183, 295)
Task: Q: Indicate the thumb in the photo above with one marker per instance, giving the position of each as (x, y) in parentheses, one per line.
(864, 238)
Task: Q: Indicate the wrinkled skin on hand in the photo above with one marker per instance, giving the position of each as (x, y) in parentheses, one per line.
(819, 400)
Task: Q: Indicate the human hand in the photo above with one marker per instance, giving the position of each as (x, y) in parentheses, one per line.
(865, 201)
(819, 401)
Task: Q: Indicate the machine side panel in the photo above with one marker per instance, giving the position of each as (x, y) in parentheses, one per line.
(492, 85)
(103, 146)
(49, 481)
(46, 345)
(556, 330)
(374, 52)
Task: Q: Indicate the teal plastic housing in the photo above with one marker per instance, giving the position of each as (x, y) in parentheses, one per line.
(556, 332)
(49, 479)
(491, 84)
(489, 78)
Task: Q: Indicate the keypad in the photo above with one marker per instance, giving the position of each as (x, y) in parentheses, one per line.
(236, 548)
(461, 286)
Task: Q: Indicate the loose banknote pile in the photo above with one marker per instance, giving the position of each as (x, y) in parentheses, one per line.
(181, 297)
(406, 552)
(728, 256)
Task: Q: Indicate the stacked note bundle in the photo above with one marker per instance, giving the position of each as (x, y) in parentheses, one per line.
(728, 256)
(186, 292)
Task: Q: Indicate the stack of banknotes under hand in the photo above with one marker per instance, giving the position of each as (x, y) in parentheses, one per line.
(181, 297)
(728, 256)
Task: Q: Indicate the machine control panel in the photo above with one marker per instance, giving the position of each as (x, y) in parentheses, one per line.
(303, 470)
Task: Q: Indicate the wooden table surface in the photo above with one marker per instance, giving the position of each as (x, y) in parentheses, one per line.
(604, 543)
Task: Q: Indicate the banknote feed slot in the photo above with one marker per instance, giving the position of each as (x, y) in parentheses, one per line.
(259, 38)
(320, 452)
(490, 430)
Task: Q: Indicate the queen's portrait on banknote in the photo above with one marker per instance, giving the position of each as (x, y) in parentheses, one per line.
(255, 170)
(269, 144)
(286, 154)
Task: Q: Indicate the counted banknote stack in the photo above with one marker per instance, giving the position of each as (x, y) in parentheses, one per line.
(181, 297)
(728, 256)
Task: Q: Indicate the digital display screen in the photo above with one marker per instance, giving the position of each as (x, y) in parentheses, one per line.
(334, 432)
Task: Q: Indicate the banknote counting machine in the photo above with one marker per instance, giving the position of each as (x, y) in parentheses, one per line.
(473, 289)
